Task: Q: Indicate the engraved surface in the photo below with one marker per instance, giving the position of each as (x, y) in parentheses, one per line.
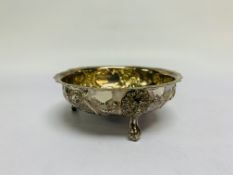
(135, 102)
(125, 91)
(119, 102)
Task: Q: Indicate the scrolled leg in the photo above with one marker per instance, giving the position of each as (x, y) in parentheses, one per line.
(134, 130)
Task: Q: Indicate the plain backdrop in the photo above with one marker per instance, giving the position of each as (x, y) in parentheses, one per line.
(192, 134)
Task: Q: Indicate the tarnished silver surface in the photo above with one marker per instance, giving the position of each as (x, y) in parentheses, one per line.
(124, 91)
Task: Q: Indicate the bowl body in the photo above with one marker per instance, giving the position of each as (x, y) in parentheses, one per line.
(123, 90)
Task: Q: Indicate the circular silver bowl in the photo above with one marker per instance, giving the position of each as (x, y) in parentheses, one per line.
(128, 91)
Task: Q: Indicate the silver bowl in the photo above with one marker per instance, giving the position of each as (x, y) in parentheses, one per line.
(128, 91)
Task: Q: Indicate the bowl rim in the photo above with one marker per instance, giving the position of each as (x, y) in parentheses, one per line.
(177, 77)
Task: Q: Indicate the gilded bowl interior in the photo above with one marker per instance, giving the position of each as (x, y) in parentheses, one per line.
(117, 77)
(123, 91)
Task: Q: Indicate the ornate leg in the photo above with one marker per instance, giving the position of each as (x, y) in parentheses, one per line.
(134, 130)
(73, 108)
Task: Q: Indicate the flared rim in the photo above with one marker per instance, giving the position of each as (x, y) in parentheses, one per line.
(59, 76)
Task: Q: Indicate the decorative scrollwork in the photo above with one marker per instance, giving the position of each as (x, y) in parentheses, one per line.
(135, 102)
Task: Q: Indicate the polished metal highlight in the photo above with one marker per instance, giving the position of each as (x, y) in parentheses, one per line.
(128, 91)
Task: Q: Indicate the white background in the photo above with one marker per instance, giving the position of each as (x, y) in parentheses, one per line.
(191, 135)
